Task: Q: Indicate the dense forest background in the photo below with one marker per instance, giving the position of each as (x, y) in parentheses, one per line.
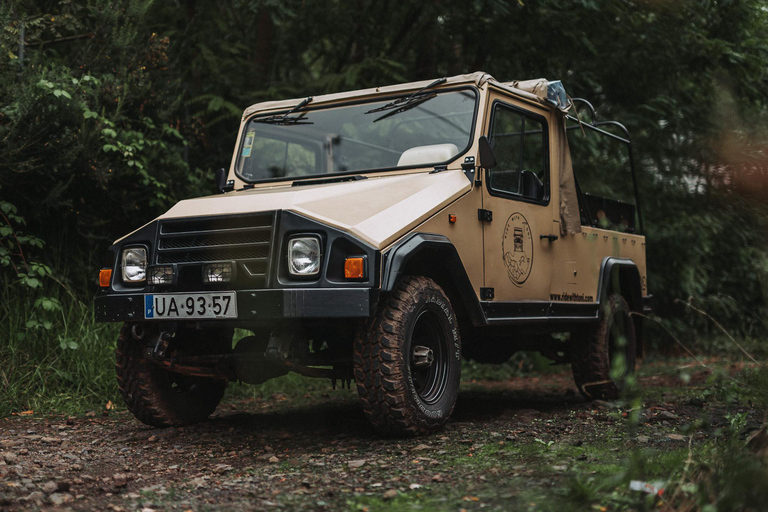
(110, 111)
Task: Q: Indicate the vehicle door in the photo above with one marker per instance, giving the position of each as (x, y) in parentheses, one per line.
(517, 193)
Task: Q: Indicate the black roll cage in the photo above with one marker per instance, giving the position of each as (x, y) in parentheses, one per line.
(595, 125)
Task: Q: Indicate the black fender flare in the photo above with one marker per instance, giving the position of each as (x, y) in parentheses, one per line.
(620, 275)
(441, 251)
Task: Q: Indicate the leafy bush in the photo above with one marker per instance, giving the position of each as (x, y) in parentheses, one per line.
(53, 357)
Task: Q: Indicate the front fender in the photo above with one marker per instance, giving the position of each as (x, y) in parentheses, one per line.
(433, 256)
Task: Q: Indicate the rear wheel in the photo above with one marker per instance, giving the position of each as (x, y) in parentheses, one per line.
(161, 398)
(407, 362)
(604, 354)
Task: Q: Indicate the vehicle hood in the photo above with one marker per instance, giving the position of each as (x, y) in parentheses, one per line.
(378, 210)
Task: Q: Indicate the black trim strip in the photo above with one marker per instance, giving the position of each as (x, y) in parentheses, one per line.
(538, 311)
(256, 305)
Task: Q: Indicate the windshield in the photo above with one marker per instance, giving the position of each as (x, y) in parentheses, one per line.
(420, 130)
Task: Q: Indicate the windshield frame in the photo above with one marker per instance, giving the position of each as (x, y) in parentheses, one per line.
(357, 101)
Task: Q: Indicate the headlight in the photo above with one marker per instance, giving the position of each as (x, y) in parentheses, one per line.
(134, 265)
(304, 256)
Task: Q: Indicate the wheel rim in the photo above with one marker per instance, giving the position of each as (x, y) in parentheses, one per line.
(427, 357)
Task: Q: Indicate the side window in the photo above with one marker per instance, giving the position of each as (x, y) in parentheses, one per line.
(520, 145)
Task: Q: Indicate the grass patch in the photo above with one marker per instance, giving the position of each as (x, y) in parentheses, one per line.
(54, 361)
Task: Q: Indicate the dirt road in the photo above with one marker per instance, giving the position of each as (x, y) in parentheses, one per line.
(514, 445)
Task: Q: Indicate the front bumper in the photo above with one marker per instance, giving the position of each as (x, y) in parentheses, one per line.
(257, 305)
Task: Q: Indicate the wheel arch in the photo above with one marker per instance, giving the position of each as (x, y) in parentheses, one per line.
(433, 256)
(621, 276)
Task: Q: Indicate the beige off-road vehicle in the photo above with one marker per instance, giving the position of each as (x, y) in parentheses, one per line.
(381, 236)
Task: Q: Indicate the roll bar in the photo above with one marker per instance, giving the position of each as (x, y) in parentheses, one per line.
(595, 125)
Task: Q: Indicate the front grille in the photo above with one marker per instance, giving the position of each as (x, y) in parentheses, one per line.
(246, 239)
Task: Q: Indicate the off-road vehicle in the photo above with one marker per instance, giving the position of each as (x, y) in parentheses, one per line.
(381, 236)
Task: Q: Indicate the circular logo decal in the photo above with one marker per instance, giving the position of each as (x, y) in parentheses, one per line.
(517, 248)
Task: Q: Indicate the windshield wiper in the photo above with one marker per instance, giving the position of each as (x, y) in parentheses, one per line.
(401, 102)
(398, 102)
(285, 119)
(413, 103)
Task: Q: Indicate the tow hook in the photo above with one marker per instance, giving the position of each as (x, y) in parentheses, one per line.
(161, 346)
(137, 331)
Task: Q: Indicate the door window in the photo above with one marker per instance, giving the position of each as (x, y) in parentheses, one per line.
(521, 147)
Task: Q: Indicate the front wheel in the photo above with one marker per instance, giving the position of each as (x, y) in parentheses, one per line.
(603, 355)
(407, 361)
(161, 398)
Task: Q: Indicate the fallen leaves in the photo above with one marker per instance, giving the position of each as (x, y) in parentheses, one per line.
(390, 494)
(220, 469)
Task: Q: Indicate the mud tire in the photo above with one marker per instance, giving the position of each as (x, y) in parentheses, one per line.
(594, 349)
(400, 397)
(160, 398)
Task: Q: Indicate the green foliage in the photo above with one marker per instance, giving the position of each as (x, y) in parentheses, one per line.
(87, 123)
(25, 278)
(116, 110)
(54, 357)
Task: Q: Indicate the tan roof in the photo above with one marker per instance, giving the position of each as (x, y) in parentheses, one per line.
(535, 90)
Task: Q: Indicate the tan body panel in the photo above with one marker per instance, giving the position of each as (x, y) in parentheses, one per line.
(466, 234)
(377, 210)
(525, 274)
(563, 270)
(576, 276)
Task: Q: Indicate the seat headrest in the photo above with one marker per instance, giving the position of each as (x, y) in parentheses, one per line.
(423, 155)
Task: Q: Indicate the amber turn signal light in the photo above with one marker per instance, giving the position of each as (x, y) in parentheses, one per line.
(354, 268)
(105, 276)
(451, 218)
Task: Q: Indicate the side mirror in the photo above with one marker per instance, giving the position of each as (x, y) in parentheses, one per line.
(221, 180)
(487, 160)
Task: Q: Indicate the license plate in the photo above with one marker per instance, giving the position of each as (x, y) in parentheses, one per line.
(190, 305)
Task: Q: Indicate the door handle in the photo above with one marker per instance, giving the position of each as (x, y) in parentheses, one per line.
(551, 238)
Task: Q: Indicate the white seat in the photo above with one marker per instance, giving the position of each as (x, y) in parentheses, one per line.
(423, 155)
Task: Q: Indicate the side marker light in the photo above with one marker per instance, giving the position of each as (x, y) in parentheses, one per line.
(451, 218)
(354, 268)
(105, 276)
